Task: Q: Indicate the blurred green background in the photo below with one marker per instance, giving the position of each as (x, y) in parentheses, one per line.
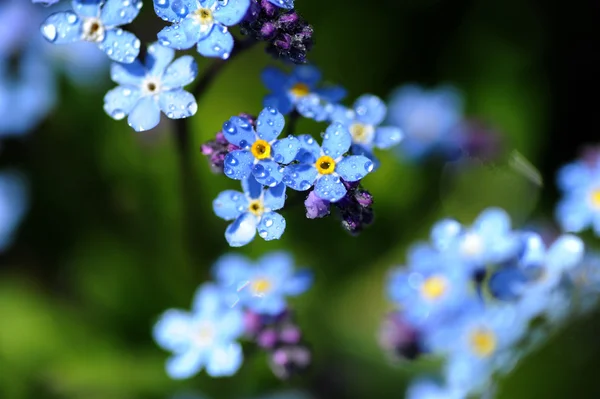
(114, 236)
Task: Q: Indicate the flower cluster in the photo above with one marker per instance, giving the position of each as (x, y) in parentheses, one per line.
(244, 300)
(471, 296)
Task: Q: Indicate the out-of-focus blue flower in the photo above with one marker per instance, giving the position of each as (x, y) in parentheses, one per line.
(489, 240)
(202, 23)
(363, 121)
(45, 2)
(251, 210)
(97, 22)
(427, 389)
(261, 152)
(586, 279)
(299, 90)
(202, 338)
(288, 4)
(262, 287)
(13, 204)
(428, 118)
(147, 89)
(325, 166)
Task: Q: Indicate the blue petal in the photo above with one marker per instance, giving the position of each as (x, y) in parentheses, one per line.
(307, 74)
(342, 114)
(444, 233)
(271, 226)
(573, 176)
(242, 231)
(268, 172)
(275, 79)
(174, 10)
(309, 149)
(269, 124)
(370, 109)
(279, 101)
(275, 197)
(158, 58)
(252, 188)
(128, 74)
(62, 27)
(180, 36)
(238, 131)
(387, 136)
(207, 301)
(359, 149)
(180, 73)
(573, 214)
(288, 4)
(300, 177)
(238, 164)
(186, 364)
(119, 101)
(332, 94)
(87, 8)
(171, 330)
(299, 283)
(492, 222)
(177, 104)
(119, 12)
(314, 107)
(285, 150)
(219, 43)
(225, 360)
(231, 12)
(230, 204)
(145, 115)
(330, 188)
(120, 46)
(354, 167)
(232, 270)
(336, 141)
(566, 252)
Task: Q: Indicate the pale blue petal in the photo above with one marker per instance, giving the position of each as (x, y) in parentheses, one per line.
(180, 73)
(180, 36)
(269, 124)
(330, 188)
(370, 109)
(387, 136)
(145, 115)
(238, 164)
(309, 149)
(300, 177)
(313, 106)
(307, 74)
(207, 302)
(285, 150)
(271, 305)
(87, 8)
(279, 101)
(119, 101)
(218, 43)
(275, 197)
(444, 233)
(231, 324)
(573, 215)
(174, 10)
(232, 270)
(231, 12)
(172, 330)
(230, 204)
(177, 104)
(299, 283)
(279, 265)
(239, 132)
(128, 74)
(336, 141)
(332, 94)
(492, 222)
(287, 4)
(268, 172)
(120, 46)
(566, 252)
(359, 149)
(573, 176)
(354, 167)
(119, 12)
(534, 253)
(62, 27)
(271, 226)
(275, 79)
(342, 114)
(252, 188)
(186, 364)
(242, 231)
(158, 58)
(225, 360)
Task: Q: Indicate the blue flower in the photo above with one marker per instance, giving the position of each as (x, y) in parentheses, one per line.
(260, 152)
(585, 277)
(325, 166)
(299, 90)
(428, 118)
(148, 88)
(363, 121)
(287, 4)
(263, 287)
(201, 22)
(97, 22)
(426, 389)
(203, 338)
(13, 204)
(251, 210)
(580, 206)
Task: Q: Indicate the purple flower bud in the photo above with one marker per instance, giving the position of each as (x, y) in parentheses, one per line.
(217, 149)
(268, 30)
(355, 208)
(267, 339)
(315, 206)
(289, 360)
(290, 335)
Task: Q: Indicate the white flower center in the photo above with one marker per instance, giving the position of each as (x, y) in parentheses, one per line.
(362, 134)
(472, 245)
(151, 86)
(204, 334)
(93, 30)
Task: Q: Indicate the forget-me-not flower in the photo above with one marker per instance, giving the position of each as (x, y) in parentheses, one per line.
(202, 23)
(147, 89)
(324, 166)
(13, 204)
(203, 338)
(261, 152)
(98, 22)
(427, 389)
(251, 210)
(264, 286)
(299, 90)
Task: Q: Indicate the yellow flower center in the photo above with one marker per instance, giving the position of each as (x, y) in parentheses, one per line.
(256, 207)
(261, 286)
(325, 165)
(261, 149)
(362, 134)
(434, 287)
(483, 342)
(300, 90)
(595, 198)
(204, 16)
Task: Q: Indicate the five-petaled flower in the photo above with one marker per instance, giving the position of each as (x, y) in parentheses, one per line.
(146, 89)
(202, 23)
(251, 210)
(261, 152)
(97, 22)
(325, 166)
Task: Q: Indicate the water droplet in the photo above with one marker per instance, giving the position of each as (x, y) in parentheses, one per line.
(263, 233)
(305, 185)
(117, 114)
(369, 166)
(268, 222)
(49, 32)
